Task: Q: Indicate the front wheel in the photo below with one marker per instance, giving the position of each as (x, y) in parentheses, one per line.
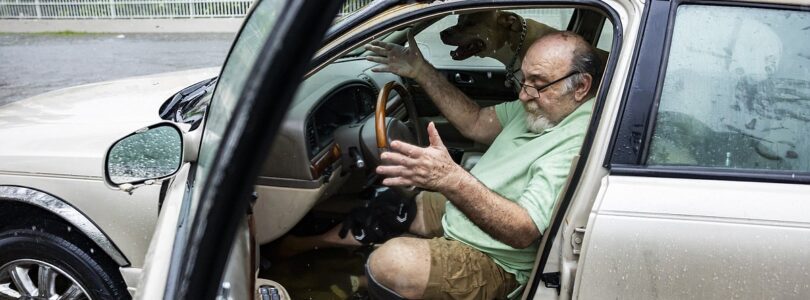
(39, 265)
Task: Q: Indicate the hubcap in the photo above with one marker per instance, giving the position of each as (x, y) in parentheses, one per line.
(31, 279)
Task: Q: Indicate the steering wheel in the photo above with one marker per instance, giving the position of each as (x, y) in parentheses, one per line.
(378, 132)
(380, 119)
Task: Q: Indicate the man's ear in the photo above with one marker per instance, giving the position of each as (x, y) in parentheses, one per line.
(509, 20)
(582, 91)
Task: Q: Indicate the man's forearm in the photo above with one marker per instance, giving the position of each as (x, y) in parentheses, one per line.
(462, 112)
(503, 220)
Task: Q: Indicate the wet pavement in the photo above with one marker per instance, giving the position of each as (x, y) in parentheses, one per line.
(32, 64)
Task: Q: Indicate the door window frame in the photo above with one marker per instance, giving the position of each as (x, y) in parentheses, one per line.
(630, 143)
(200, 262)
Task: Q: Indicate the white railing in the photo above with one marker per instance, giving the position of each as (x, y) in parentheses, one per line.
(134, 9)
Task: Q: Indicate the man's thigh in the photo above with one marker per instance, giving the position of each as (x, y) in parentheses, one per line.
(458, 271)
(429, 212)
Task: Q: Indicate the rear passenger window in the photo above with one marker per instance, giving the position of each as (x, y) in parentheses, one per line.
(736, 91)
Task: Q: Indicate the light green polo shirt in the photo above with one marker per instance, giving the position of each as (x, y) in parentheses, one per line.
(527, 168)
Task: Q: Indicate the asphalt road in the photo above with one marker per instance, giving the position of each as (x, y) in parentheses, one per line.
(31, 64)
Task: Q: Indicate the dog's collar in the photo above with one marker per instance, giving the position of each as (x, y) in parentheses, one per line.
(510, 69)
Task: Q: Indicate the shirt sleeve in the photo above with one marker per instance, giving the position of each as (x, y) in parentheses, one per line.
(549, 174)
(507, 111)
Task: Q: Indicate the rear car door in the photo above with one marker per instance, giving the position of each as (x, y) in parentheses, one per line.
(706, 195)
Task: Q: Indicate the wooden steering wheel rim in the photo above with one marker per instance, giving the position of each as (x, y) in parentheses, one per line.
(379, 113)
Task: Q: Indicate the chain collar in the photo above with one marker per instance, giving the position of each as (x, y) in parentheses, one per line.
(510, 69)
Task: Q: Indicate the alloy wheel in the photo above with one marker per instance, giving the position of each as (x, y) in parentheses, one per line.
(31, 279)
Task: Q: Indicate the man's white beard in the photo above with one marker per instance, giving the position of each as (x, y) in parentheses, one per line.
(535, 120)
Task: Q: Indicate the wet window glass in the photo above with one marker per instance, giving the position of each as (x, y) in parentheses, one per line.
(234, 75)
(435, 51)
(738, 95)
(146, 155)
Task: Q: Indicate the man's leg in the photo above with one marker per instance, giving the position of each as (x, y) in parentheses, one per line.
(438, 268)
(402, 265)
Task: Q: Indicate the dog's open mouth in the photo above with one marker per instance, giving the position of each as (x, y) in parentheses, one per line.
(465, 51)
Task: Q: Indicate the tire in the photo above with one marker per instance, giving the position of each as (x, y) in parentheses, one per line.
(27, 254)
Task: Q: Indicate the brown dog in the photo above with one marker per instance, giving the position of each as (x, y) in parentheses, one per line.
(493, 34)
(497, 34)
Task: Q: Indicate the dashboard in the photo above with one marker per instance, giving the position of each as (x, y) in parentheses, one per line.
(342, 93)
(350, 104)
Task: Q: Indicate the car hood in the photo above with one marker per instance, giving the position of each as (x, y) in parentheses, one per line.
(67, 132)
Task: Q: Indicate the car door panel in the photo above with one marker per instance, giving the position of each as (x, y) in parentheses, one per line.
(172, 213)
(675, 238)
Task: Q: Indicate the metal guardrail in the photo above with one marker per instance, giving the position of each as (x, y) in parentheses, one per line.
(135, 9)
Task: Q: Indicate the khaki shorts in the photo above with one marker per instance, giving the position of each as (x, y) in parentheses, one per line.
(458, 271)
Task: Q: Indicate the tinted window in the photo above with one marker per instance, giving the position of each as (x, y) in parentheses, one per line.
(736, 92)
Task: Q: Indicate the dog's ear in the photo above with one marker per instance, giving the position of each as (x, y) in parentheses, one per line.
(509, 20)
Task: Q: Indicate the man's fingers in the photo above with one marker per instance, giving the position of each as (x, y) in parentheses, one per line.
(397, 181)
(377, 59)
(376, 49)
(381, 70)
(433, 136)
(407, 149)
(387, 46)
(393, 158)
(394, 171)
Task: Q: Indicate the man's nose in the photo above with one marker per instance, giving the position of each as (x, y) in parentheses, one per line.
(522, 95)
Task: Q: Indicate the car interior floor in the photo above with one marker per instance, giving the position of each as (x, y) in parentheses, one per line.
(317, 273)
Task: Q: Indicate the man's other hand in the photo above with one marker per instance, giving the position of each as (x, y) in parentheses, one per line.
(406, 62)
(429, 168)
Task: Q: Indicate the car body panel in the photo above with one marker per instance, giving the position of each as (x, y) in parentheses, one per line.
(87, 119)
(68, 213)
(676, 238)
(128, 220)
(60, 139)
(158, 258)
(648, 236)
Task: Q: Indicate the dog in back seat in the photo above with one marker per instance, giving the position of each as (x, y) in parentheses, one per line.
(498, 34)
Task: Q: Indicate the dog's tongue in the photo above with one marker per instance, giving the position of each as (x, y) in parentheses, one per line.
(465, 51)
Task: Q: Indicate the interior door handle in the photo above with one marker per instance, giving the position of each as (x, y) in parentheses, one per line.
(464, 78)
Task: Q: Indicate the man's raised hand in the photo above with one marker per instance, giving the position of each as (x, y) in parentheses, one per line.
(429, 168)
(406, 62)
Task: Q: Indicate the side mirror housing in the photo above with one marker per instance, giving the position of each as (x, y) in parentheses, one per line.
(147, 156)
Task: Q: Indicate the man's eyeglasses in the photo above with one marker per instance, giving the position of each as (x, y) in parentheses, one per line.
(534, 91)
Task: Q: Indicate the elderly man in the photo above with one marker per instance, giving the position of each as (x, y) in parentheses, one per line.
(484, 224)
(489, 220)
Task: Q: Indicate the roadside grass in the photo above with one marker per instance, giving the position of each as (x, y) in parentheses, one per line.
(64, 33)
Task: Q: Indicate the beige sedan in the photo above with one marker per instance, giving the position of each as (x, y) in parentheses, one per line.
(691, 181)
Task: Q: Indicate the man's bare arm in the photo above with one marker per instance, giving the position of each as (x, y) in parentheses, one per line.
(475, 123)
(503, 220)
(432, 168)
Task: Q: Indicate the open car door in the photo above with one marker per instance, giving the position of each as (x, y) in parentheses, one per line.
(203, 225)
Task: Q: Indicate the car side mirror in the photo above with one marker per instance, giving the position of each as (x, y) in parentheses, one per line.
(144, 157)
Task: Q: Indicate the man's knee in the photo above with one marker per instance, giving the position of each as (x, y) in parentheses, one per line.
(402, 265)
